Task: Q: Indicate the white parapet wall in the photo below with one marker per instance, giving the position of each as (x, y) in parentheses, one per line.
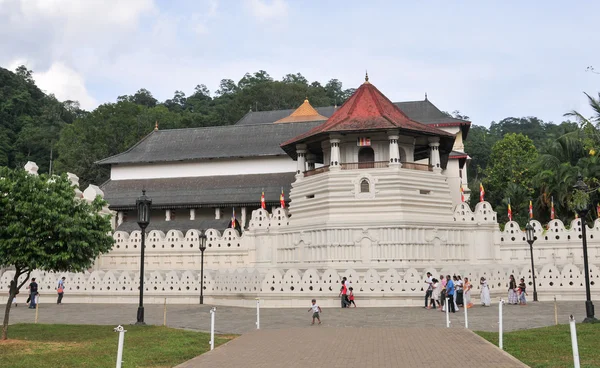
(285, 262)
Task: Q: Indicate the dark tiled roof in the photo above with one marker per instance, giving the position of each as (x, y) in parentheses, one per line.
(181, 225)
(206, 191)
(211, 143)
(368, 109)
(422, 111)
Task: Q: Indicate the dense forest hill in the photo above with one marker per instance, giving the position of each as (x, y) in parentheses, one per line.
(518, 158)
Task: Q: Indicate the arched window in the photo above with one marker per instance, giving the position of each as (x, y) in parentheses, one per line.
(364, 186)
(366, 158)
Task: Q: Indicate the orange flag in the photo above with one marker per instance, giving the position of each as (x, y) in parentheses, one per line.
(282, 199)
(481, 193)
(263, 205)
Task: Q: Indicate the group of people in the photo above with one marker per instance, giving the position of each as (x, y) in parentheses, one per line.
(33, 295)
(347, 294)
(516, 294)
(453, 292)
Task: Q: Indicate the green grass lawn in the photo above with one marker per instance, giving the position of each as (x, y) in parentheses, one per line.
(551, 346)
(41, 345)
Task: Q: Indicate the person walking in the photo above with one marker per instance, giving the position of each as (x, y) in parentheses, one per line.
(429, 292)
(450, 294)
(316, 310)
(33, 292)
(351, 297)
(435, 295)
(486, 301)
(61, 290)
(522, 292)
(467, 293)
(343, 293)
(512, 291)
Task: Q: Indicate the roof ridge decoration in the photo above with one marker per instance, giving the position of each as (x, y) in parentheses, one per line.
(304, 112)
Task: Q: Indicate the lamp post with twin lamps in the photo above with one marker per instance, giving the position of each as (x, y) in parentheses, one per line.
(202, 239)
(143, 205)
(582, 209)
(530, 234)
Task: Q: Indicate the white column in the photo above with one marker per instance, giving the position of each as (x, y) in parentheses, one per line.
(335, 153)
(243, 224)
(301, 161)
(434, 155)
(192, 214)
(217, 213)
(394, 160)
(167, 215)
(119, 218)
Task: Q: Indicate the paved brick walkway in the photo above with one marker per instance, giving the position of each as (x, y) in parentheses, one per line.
(242, 320)
(336, 347)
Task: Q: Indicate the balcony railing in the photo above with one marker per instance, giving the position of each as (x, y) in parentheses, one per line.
(364, 165)
(316, 171)
(414, 166)
(369, 165)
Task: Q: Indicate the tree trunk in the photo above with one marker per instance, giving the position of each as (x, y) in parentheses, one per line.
(14, 287)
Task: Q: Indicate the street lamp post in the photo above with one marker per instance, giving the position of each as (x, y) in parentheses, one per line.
(530, 234)
(143, 205)
(582, 211)
(202, 249)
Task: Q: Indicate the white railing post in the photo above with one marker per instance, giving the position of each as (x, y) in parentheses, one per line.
(466, 317)
(213, 310)
(447, 314)
(121, 332)
(574, 342)
(257, 314)
(500, 342)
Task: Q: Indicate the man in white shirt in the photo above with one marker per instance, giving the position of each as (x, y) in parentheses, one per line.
(428, 293)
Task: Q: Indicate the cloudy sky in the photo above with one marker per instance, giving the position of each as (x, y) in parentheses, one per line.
(490, 61)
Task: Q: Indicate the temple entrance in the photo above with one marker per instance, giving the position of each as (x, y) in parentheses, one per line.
(366, 158)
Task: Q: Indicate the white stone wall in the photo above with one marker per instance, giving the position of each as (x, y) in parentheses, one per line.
(238, 166)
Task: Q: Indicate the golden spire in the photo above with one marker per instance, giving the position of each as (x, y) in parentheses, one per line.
(156, 126)
(366, 77)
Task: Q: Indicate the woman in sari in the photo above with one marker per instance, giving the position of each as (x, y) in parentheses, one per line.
(486, 301)
(512, 291)
(467, 293)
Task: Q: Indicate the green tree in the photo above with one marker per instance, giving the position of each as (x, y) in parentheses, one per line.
(45, 227)
(511, 161)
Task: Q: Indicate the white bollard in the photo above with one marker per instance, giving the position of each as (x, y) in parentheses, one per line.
(121, 332)
(574, 342)
(466, 317)
(257, 314)
(213, 310)
(447, 313)
(500, 342)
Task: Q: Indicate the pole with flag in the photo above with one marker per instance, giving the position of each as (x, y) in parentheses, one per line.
(263, 205)
(481, 193)
(233, 219)
(282, 199)
(462, 194)
(530, 210)
(552, 211)
(509, 211)
(598, 210)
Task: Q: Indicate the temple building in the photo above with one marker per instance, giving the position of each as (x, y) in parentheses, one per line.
(372, 193)
(198, 177)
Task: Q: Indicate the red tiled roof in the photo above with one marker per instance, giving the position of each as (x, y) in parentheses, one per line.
(367, 110)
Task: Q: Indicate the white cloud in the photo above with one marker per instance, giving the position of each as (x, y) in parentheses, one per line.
(66, 84)
(265, 10)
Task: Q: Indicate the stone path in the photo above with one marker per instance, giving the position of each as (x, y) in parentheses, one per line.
(242, 320)
(336, 347)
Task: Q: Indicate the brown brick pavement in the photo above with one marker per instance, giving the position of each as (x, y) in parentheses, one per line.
(333, 347)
